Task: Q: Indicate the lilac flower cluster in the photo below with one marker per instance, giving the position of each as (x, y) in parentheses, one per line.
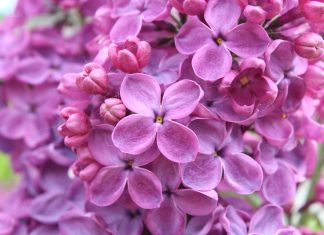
(174, 116)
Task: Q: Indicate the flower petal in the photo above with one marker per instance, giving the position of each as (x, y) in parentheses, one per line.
(232, 222)
(242, 173)
(144, 188)
(211, 134)
(120, 33)
(221, 15)
(267, 220)
(275, 129)
(72, 223)
(192, 36)
(141, 94)
(177, 142)
(212, 62)
(108, 185)
(274, 184)
(49, 207)
(134, 134)
(102, 148)
(247, 40)
(194, 202)
(167, 219)
(180, 99)
(204, 173)
(7, 224)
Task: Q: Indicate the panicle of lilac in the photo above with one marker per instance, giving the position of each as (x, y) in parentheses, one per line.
(184, 112)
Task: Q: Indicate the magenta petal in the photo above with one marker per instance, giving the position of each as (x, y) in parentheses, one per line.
(242, 173)
(108, 185)
(180, 99)
(141, 94)
(49, 207)
(212, 62)
(33, 70)
(192, 36)
(13, 123)
(167, 219)
(76, 224)
(102, 148)
(7, 224)
(194, 202)
(267, 220)
(232, 222)
(204, 173)
(275, 129)
(211, 134)
(274, 184)
(221, 15)
(177, 142)
(134, 134)
(247, 40)
(44, 229)
(144, 188)
(120, 33)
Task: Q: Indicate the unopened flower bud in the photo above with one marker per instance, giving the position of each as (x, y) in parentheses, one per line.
(313, 10)
(190, 7)
(76, 130)
(112, 110)
(254, 14)
(93, 80)
(130, 56)
(309, 45)
(68, 111)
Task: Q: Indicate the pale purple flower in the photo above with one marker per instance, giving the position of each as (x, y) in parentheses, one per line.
(153, 120)
(170, 217)
(211, 45)
(220, 149)
(121, 169)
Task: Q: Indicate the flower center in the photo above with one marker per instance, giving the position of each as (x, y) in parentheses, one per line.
(244, 81)
(159, 119)
(284, 115)
(219, 41)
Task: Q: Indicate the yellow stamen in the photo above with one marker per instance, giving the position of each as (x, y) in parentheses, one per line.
(244, 81)
(129, 163)
(159, 119)
(284, 115)
(216, 154)
(219, 41)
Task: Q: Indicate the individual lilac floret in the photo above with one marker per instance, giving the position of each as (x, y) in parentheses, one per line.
(112, 110)
(130, 56)
(283, 169)
(190, 7)
(132, 13)
(29, 112)
(93, 79)
(309, 46)
(247, 94)
(77, 127)
(120, 169)
(221, 155)
(170, 217)
(211, 45)
(153, 120)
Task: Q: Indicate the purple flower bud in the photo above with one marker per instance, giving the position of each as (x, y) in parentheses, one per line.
(313, 10)
(254, 14)
(112, 110)
(76, 129)
(309, 45)
(130, 56)
(190, 7)
(93, 80)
